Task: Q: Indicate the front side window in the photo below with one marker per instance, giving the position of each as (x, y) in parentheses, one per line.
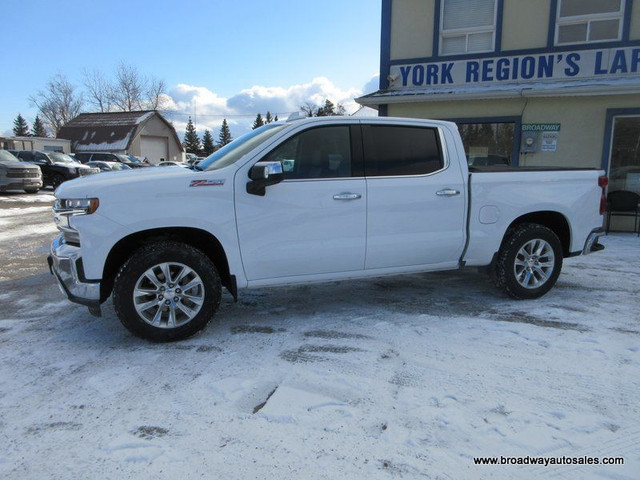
(322, 152)
(399, 150)
(467, 26)
(582, 21)
(488, 144)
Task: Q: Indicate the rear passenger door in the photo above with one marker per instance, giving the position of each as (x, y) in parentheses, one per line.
(416, 199)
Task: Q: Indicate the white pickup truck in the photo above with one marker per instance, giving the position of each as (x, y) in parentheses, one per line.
(313, 200)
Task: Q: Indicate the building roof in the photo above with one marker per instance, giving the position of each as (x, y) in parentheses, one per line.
(110, 131)
(606, 86)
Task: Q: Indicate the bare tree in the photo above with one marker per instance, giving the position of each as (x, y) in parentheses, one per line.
(128, 89)
(58, 102)
(309, 109)
(99, 90)
(155, 89)
(133, 91)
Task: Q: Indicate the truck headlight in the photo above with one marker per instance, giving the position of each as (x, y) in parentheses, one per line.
(76, 206)
(65, 208)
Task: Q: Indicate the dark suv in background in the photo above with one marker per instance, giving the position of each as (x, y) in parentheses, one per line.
(129, 160)
(56, 167)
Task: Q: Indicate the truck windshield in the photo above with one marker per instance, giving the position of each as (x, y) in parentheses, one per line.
(235, 150)
(61, 157)
(7, 157)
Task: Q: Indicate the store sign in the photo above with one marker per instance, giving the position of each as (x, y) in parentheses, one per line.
(606, 63)
(540, 127)
(549, 142)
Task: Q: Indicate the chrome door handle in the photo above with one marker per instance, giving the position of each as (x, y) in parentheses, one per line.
(447, 192)
(347, 196)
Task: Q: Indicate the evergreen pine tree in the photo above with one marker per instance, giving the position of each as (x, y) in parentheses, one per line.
(225, 134)
(207, 143)
(37, 129)
(275, 118)
(20, 127)
(191, 142)
(258, 122)
(268, 118)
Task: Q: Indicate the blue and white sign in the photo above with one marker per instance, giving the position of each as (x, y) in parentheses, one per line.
(612, 63)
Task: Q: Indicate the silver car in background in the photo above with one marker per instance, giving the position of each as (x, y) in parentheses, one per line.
(17, 175)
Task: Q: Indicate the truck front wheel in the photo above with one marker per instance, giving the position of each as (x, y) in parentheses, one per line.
(166, 291)
(529, 261)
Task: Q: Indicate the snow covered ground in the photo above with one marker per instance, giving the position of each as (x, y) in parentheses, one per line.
(407, 377)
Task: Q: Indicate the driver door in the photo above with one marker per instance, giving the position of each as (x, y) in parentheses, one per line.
(314, 221)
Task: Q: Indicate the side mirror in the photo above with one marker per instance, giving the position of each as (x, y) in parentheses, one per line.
(262, 175)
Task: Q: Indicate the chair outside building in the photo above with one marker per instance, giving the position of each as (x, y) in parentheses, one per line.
(624, 203)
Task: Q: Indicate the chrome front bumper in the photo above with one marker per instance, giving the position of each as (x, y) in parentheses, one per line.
(66, 266)
(592, 245)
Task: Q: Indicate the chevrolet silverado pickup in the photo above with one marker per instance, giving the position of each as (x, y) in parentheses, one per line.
(15, 175)
(314, 200)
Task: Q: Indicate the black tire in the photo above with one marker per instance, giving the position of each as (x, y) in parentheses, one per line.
(31, 190)
(135, 272)
(527, 277)
(56, 180)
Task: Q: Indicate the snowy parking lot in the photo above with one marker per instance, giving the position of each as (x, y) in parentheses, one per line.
(404, 377)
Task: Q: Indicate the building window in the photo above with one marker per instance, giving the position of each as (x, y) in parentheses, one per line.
(624, 173)
(467, 26)
(488, 144)
(582, 21)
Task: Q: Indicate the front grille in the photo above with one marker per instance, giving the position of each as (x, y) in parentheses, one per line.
(22, 174)
(87, 171)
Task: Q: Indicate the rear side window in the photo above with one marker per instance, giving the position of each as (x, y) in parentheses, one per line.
(100, 157)
(83, 157)
(399, 150)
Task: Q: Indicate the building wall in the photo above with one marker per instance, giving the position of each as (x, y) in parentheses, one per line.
(582, 122)
(412, 28)
(157, 128)
(36, 143)
(634, 31)
(525, 24)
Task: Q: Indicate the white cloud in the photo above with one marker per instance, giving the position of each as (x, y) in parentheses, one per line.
(372, 85)
(208, 109)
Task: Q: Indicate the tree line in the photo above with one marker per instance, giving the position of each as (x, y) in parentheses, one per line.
(21, 127)
(193, 144)
(206, 146)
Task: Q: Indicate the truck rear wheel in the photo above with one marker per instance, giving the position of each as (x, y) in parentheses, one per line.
(529, 261)
(166, 291)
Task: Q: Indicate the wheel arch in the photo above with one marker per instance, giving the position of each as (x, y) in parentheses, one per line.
(198, 238)
(555, 221)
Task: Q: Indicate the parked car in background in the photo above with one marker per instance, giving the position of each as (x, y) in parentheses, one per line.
(56, 167)
(172, 164)
(15, 175)
(141, 160)
(109, 166)
(129, 160)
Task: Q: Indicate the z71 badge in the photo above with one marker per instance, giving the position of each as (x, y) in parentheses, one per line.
(207, 183)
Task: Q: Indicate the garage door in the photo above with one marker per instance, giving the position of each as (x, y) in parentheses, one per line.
(154, 148)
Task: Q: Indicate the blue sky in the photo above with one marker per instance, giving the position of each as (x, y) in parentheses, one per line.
(218, 57)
